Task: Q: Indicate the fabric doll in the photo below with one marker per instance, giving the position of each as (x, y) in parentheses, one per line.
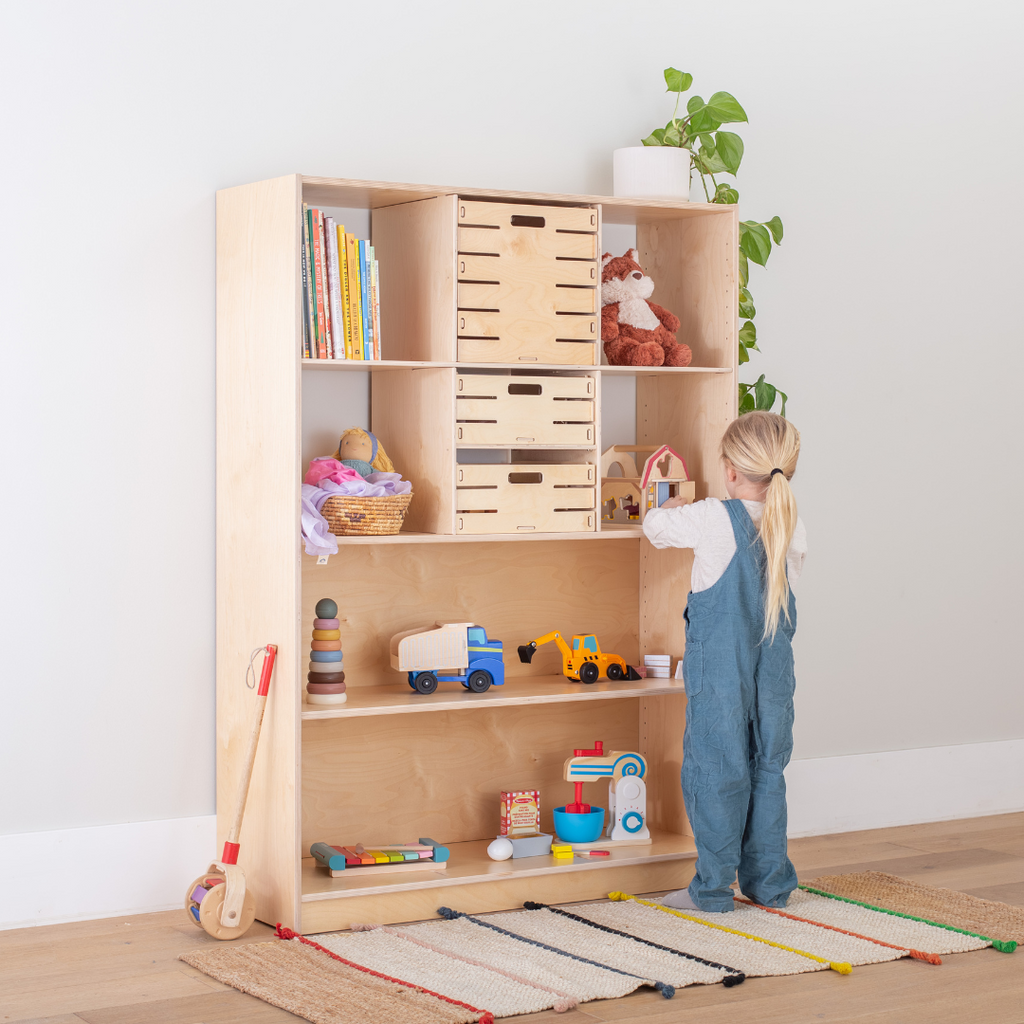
(360, 450)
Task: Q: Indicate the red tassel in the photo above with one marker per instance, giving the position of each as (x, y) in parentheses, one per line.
(284, 933)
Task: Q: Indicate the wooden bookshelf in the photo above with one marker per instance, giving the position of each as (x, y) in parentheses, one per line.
(390, 764)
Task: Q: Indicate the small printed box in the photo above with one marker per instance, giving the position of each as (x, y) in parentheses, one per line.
(520, 813)
(528, 280)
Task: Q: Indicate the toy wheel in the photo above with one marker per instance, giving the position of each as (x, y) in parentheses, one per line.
(480, 681)
(426, 682)
(192, 905)
(589, 672)
(615, 672)
(209, 914)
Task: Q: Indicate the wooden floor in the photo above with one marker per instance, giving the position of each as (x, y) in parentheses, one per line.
(125, 971)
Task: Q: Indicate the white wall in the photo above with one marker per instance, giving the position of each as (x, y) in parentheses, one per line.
(882, 133)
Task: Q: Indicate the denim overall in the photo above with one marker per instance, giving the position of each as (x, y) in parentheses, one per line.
(739, 732)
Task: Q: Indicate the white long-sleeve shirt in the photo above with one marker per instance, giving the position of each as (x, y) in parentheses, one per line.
(706, 527)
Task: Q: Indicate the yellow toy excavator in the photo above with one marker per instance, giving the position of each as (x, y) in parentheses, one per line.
(583, 662)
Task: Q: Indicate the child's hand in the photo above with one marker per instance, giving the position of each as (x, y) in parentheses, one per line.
(674, 503)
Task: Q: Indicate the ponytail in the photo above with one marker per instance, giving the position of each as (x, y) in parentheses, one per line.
(764, 448)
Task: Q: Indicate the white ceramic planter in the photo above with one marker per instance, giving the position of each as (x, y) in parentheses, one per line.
(652, 172)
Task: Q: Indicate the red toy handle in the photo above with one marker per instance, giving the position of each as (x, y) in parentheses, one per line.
(268, 670)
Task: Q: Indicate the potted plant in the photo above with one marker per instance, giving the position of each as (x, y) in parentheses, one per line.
(661, 168)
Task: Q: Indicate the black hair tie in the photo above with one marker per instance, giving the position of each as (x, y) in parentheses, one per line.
(773, 472)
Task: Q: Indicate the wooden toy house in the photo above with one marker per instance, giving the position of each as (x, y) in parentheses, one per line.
(391, 765)
(631, 495)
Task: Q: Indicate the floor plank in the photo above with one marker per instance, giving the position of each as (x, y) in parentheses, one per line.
(125, 970)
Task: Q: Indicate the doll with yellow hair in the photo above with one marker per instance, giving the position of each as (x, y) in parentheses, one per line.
(360, 450)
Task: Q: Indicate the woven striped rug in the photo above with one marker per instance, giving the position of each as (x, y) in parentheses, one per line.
(469, 968)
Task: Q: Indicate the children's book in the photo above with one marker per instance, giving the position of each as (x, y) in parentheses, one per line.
(306, 342)
(326, 282)
(375, 295)
(355, 289)
(334, 274)
(345, 299)
(317, 316)
(364, 271)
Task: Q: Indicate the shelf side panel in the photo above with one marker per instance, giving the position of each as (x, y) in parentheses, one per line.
(258, 338)
(413, 414)
(394, 778)
(415, 245)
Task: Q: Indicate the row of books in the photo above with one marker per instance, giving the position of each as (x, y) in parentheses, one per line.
(339, 291)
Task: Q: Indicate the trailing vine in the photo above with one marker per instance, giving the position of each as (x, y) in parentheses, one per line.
(715, 152)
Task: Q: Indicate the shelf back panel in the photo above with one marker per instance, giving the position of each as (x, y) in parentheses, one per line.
(517, 591)
(693, 263)
(396, 778)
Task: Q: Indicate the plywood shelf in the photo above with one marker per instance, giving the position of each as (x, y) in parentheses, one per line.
(606, 533)
(398, 698)
(469, 864)
(379, 365)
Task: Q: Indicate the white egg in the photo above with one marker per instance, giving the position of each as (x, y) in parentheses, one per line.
(500, 849)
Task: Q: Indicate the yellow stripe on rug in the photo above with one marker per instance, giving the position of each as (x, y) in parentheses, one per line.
(839, 968)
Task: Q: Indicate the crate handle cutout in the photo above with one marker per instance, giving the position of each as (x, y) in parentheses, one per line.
(525, 389)
(526, 478)
(527, 439)
(526, 527)
(519, 221)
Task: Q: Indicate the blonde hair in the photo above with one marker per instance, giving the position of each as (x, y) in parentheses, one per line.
(379, 459)
(756, 444)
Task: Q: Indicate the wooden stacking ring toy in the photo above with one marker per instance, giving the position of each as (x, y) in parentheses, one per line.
(325, 687)
(319, 678)
(326, 623)
(326, 634)
(325, 645)
(325, 655)
(325, 666)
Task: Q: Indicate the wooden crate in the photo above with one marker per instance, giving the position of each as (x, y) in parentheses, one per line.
(516, 412)
(525, 498)
(528, 280)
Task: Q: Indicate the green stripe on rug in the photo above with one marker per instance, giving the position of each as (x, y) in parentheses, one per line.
(999, 944)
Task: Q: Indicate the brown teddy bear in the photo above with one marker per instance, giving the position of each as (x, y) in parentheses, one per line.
(636, 332)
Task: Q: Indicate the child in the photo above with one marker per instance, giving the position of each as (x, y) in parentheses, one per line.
(738, 666)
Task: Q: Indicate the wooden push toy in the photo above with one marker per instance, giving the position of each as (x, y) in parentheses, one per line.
(629, 497)
(627, 794)
(584, 660)
(218, 900)
(426, 855)
(449, 652)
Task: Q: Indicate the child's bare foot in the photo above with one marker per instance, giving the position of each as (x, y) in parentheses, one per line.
(679, 900)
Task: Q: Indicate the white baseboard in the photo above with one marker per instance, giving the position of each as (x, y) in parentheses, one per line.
(904, 787)
(79, 874)
(109, 870)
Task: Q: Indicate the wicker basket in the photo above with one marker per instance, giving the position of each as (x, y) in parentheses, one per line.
(350, 516)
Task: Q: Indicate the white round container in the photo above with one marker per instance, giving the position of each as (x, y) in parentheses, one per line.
(652, 172)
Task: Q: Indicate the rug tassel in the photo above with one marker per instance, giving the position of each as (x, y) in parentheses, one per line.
(448, 914)
(565, 1004)
(282, 932)
(365, 927)
(931, 958)
(1004, 947)
(668, 991)
(732, 979)
(840, 968)
(487, 1018)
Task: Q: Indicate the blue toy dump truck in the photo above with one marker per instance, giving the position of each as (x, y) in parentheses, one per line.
(448, 652)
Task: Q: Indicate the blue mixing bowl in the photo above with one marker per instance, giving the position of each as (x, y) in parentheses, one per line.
(579, 828)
